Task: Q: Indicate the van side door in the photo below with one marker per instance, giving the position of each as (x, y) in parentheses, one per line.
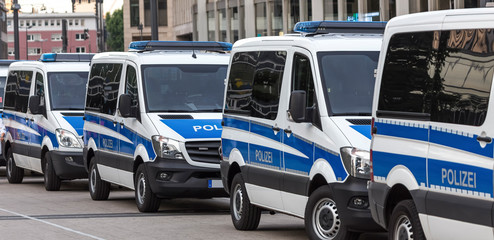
(460, 159)
(37, 121)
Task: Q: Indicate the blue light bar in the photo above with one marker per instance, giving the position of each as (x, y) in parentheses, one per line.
(323, 27)
(66, 57)
(180, 45)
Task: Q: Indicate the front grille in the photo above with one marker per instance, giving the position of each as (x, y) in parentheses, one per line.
(204, 151)
(359, 121)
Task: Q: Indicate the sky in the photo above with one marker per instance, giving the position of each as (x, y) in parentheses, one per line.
(66, 5)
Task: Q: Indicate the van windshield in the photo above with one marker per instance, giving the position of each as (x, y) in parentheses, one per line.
(67, 90)
(348, 80)
(184, 88)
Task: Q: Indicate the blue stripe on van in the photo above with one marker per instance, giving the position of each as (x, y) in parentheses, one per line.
(76, 122)
(401, 131)
(228, 145)
(334, 160)
(363, 129)
(465, 143)
(236, 123)
(383, 162)
(195, 128)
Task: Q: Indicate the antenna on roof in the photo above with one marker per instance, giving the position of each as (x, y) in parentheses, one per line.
(194, 54)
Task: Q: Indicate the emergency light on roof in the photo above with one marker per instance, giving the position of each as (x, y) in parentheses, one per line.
(180, 45)
(66, 57)
(322, 27)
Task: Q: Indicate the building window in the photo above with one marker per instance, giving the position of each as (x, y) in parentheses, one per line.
(277, 17)
(79, 36)
(11, 52)
(211, 26)
(147, 13)
(9, 23)
(27, 23)
(294, 8)
(33, 37)
(56, 50)
(34, 51)
(162, 13)
(70, 22)
(76, 22)
(58, 22)
(33, 23)
(40, 23)
(56, 37)
(134, 13)
(330, 9)
(21, 23)
(261, 19)
(222, 18)
(234, 23)
(10, 37)
(52, 22)
(82, 22)
(46, 22)
(80, 49)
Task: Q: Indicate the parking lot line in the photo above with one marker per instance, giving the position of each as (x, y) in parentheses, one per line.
(51, 224)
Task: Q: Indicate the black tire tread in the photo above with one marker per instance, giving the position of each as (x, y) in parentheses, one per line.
(408, 207)
(52, 181)
(16, 173)
(251, 212)
(152, 203)
(102, 190)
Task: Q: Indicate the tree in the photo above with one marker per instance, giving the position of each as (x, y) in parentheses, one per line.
(114, 26)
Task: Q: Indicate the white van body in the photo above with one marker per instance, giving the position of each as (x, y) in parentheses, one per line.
(177, 102)
(432, 151)
(274, 162)
(48, 141)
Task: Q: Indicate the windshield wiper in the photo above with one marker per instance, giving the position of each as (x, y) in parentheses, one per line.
(352, 114)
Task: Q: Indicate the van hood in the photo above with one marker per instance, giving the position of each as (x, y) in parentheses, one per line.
(357, 130)
(188, 126)
(73, 121)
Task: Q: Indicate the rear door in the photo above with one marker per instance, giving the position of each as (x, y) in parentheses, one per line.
(460, 158)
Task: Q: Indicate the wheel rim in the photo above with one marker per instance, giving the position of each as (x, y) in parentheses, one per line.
(237, 202)
(9, 167)
(326, 220)
(92, 179)
(141, 188)
(403, 229)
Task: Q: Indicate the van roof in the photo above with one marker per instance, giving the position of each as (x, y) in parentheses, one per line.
(316, 43)
(51, 66)
(165, 57)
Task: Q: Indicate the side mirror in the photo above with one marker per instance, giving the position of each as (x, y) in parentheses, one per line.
(124, 105)
(297, 106)
(35, 105)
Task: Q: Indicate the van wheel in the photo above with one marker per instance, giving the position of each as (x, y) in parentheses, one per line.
(146, 200)
(405, 223)
(14, 174)
(245, 216)
(52, 181)
(322, 220)
(98, 189)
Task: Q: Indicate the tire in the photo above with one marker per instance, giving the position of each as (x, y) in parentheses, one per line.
(245, 216)
(98, 189)
(146, 200)
(14, 174)
(404, 223)
(322, 220)
(52, 181)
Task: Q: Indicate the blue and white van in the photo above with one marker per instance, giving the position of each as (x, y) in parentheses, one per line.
(432, 151)
(153, 121)
(43, 110)
(296, 127)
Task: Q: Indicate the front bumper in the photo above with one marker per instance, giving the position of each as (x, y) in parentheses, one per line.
(357, 219)
(68, 165)
(184, 180)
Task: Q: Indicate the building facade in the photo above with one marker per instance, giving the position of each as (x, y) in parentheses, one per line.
(42, 33)
(3, 30)
(230, 20)
(174, 20)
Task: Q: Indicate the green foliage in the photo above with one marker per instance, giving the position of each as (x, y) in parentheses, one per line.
(114, 27)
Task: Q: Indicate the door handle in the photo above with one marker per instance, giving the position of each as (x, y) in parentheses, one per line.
(484, 139)
(275, 128)
(288, 131)
(32, 119)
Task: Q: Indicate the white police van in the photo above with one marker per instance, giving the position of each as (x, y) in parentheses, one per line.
(153, 121)
(432, 151)
(296, 127)
(43, 110)
(4, 71)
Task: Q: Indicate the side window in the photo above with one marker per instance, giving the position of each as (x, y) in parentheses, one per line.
(239, 88)
(463, 76)
(24, 79)
(131, 88)
(302, 77)
(10, 90)
(40, 88)
(408, 72)
(102, 92)
(267, 84)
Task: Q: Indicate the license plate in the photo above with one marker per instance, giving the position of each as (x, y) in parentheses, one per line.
(215, 183)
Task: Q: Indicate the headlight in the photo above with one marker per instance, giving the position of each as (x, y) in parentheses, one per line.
(356, 161)
(166, 147)
(67, 139)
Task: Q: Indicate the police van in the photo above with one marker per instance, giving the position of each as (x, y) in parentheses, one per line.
(43, 110)
(296, 127)
(432, 151)
(153, 121)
